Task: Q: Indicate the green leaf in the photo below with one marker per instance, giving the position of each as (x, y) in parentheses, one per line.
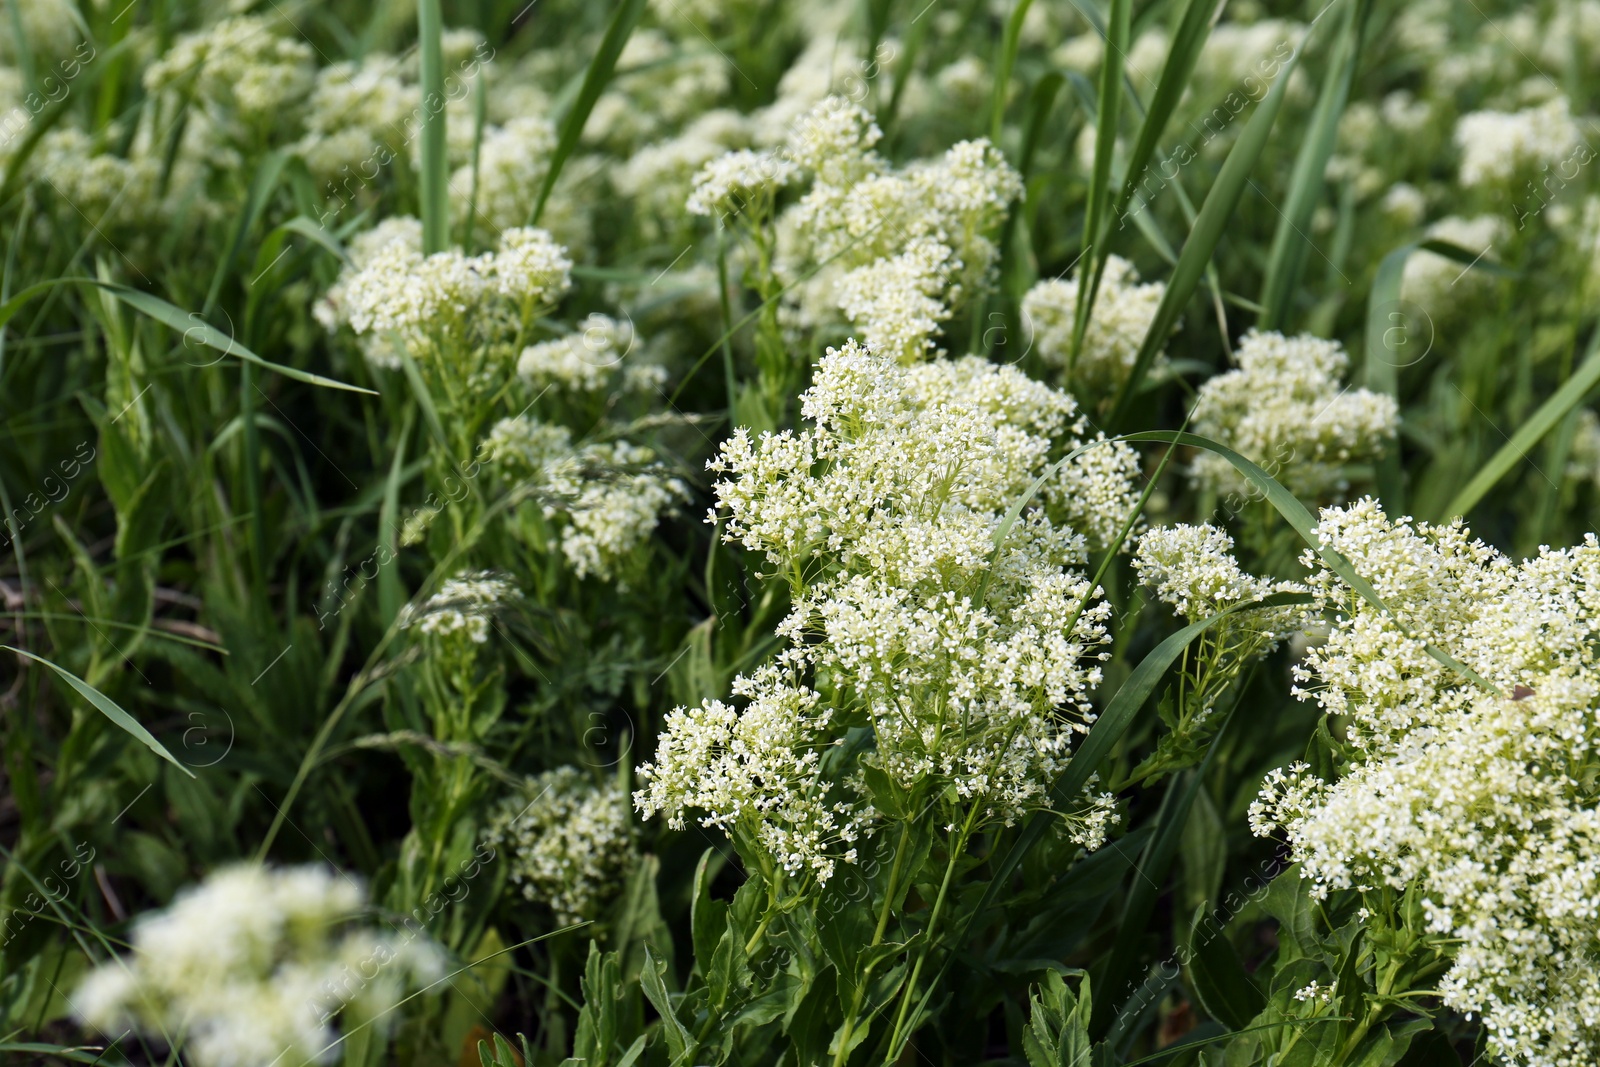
(1431, 1049)
(595, 79)
(1297, 516)
(1288, 899)
(1107, 112)
(886, 796)
(708, 918)
(434, 172)
(680, 1043)
(1286, 262)
(1225, 989)
(1008, 59)
(1216, 214)
(191, 326)
(1057, 1034)
(1541, 422)
(108, 708)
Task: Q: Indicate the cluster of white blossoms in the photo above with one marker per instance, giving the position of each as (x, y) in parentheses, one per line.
(1485, 798)
(356, 114)
(463, 605)
(925, 229)
(968, 644)
(1192, 569)
(609, 496)
(569, 841)
(897, 301)
(590, 359)
(1123, 312)
(245, 65)
(443, 303)
(1286, 409)
(251, 967)
(1496, 146)
(738, 182)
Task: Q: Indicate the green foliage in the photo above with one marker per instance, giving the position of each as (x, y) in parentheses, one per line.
(241, 544)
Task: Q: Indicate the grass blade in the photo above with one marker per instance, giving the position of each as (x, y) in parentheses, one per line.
(1301, 519)
(435, 173)
(191, 326)
(1514, 451)
(595, 80)
(1008, 60)
(107, 707)
(1286, 261)
(1109, 110)
(1181, 59)
(1209, 226)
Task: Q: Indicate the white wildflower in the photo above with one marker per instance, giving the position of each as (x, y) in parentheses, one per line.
(1285, 409)
(1123, 312)
(889, 505)
(1484, 800)
(464, 604)
(609, 497)
(569, 841)
(733, 183)
(252, 965)
(1496, 145)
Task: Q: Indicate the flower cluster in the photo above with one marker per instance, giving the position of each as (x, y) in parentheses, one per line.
(1285, 409)
(1497, 146)
(1123, 313)
(442, 304)
(1441, 285)
(1192, 569)
(608, 496)
(464, 605)
(969, 644)
(244, 66)
(569, 841)
(893, 249)
(590, 359)
(1483, 795)
(250, 967)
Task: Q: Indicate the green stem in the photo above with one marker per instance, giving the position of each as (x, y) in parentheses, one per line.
(842, 1052)
(959, 846)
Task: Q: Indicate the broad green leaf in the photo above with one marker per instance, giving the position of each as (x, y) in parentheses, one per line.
(107, 707)
(1225, 989)
(680, 1043)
